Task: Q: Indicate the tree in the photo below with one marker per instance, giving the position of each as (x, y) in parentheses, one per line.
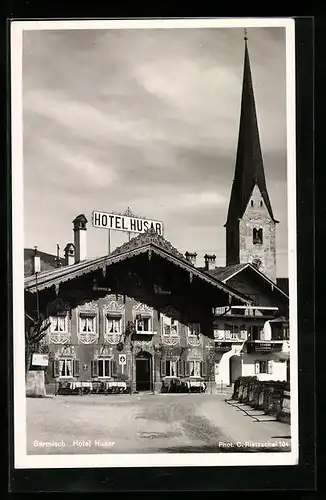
(35, 331)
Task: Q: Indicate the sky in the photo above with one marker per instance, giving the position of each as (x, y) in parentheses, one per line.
(147, 119)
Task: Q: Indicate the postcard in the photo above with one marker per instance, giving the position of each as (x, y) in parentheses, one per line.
(154, 243)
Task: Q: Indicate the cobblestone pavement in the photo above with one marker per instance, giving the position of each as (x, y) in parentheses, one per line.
(147, 423)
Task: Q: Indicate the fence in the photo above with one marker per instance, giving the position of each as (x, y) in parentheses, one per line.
(270, 396)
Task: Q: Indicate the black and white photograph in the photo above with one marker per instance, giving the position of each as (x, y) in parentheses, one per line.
(154, 243)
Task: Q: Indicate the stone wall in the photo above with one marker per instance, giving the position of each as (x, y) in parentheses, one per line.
(273, 397)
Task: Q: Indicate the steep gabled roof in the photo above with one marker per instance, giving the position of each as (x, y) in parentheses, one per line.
(224, 274)
(146, 242)
(48, 261)
(249, 168)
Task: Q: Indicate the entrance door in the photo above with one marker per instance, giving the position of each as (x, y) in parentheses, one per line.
(143, 372)
(235, 368)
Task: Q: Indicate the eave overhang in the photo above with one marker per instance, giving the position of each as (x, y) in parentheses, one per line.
(48, 279)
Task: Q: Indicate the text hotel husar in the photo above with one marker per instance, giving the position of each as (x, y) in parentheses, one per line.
(124, 223)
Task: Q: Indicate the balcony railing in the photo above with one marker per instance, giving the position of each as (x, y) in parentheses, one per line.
(223, 346)
(244, 311)
(264, 346)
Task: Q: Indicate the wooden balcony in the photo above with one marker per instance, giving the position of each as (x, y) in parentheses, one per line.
(259, 346)
(223, 346)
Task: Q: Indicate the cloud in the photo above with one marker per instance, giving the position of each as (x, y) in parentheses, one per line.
(147, 119)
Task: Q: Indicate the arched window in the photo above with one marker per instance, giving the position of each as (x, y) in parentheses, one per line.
(252, 203)
(261, 203)
(257, 236)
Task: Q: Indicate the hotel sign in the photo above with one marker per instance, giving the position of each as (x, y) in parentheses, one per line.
(125, 223)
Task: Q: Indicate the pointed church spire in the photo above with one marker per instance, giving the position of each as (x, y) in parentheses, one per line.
(249, 169)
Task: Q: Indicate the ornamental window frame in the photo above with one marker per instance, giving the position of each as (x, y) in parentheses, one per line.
(191, 330)
(116, 319)
(170, 326)
(54, 323)
(197, 368)
(85, 315)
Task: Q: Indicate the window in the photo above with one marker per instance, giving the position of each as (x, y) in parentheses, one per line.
(231, 331)
(194, 368)
(114, 324)
(59, 323)
(257, 236)
(143, 324)
(255, 332)
(243, 332)
(286, 333)
(171, 368)
(252, 203)
(261, 203)
(193, 329)
(104, 366)
(66, 367)
(264, 366)
(170, 326)
(87, 323)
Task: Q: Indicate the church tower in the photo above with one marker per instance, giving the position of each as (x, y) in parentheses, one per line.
(250, 225)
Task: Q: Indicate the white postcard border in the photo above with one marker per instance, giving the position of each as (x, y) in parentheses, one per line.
(21, 459)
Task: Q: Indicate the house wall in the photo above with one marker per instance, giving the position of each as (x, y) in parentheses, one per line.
(248, 367)
(72, 343)
(247, 283)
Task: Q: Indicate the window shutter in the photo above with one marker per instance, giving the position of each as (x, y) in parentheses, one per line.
(56, 370)
(203, 369)
(113, 367)
(163, 368)
(179, 368)
(270, 366)
(187, 368)
(76, 367)
(257, 367)
(94, 368)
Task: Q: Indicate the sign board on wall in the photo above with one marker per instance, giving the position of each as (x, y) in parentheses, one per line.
(40, 360)
(125, 223)
(122, 359)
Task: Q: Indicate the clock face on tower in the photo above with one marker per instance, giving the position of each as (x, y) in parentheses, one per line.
(257, 263)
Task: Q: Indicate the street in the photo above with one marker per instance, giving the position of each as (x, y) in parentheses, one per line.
(147, 423)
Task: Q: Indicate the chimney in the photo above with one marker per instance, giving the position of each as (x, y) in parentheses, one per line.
(80, 237)
(191, 257)
(36, 262)
(69, 254)
(209, 261)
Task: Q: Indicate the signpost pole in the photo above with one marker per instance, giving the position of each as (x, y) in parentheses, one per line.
(109, 241)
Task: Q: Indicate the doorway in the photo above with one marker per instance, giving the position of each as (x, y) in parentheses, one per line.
(235, 368)
(144, 371)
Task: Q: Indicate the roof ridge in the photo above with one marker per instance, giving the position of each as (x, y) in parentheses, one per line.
(149, 237)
